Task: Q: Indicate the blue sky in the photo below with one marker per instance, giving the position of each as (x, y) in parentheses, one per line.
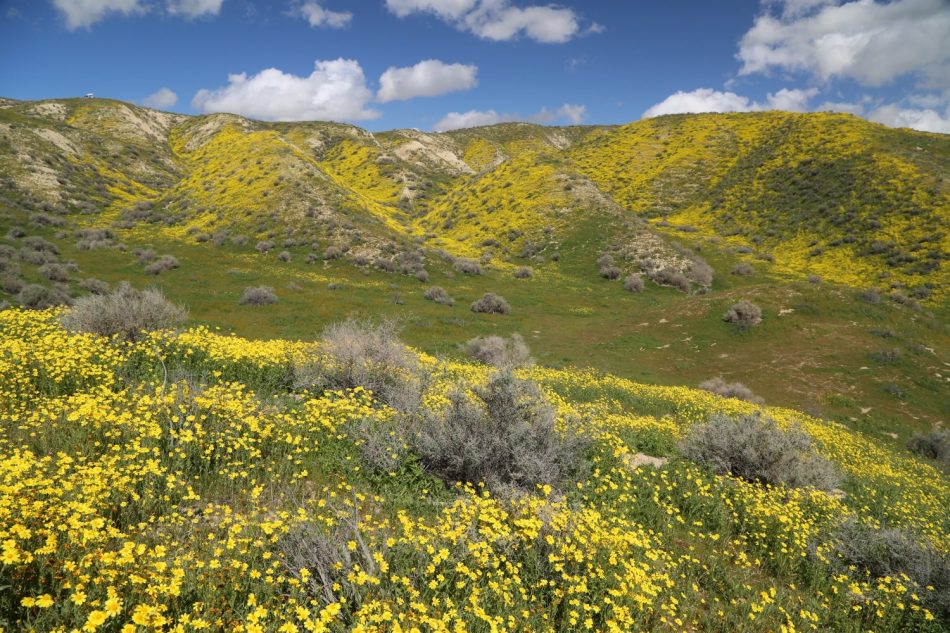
(438, 64)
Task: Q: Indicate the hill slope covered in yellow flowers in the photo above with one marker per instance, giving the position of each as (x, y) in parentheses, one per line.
(181, 481)
(823, 194)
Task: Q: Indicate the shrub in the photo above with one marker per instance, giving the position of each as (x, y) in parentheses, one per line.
(264, 246)
(468, 266)
(284, 256)
(814, 279)
(633, 283)
(332, 252)
(37, 243)
(490, 303)
(730, 390)
(94, 286)
(41, 297)
(145, 255)
(896, 552)
(439, 295)
(870, 295)
(742, 269)
(886, 356)
(610, 272)
(498, 351)
(935, 444)
(15, 232)
(701, 272)
(36, 257)
(524, 272)
(756, 449)
(744, 314)
(258, 296)
(669, 277)
(506, 440)
(54, 272)
(371, 356)
(605, 261)
(162, 264)
(11, 283)
(125, 312)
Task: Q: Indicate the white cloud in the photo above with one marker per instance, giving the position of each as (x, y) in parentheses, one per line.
(194, 8)
(709, 100)
(85, 13)
(314, 13)
(336, 90)
(570, 113)
(428, 78)
(445, 9)
(870, 42)
(498, 20)
(791, 99)
(162, 98)
(926, 120)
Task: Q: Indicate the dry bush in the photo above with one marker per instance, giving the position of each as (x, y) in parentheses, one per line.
(742, 269)
(610, 272)
(468, 266)
(126, 313)
(490, 303)
(284, 256)
(701, 272)
(40, 297)
(54, 272)
(94, 286)
(439, 295)
(744, 313)
(669, 277)
(499, 351)
(258, 296)
(730, 390)
(162, 264)
(896, 552)
(523, 272)
(505, 440)
(368, 355)
(633, 283)
(264, 246)
(934, 444)
(756, 449)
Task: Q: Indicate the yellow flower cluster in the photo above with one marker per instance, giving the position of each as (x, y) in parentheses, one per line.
(178, 484)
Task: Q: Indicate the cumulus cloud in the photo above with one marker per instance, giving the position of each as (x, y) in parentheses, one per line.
(85, 13)
(336, 90)
(428, 78)
(569, 113)
(314, 13)
(925, 120)
(194, 8)
(709, 100)
(870, 42)
(162, 98)
(498, 20)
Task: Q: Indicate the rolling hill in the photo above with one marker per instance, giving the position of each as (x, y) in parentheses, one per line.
(836, 227)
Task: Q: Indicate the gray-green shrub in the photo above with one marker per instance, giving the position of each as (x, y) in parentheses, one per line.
(756, 449)
(499, 351)
(125, 312)
(506, 439)
(490, 303)
(730, 390)
(258, 296)
(743, 313)
(934, 444)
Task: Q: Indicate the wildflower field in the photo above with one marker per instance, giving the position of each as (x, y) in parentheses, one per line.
(187, 482)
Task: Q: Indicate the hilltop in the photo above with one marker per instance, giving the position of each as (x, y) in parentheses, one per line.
(834, 226)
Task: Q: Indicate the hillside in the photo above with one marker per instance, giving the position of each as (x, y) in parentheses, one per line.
(201, 481)
(835, 227)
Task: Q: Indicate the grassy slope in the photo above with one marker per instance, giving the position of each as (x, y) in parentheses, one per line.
(327, 183)
(207, 477)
